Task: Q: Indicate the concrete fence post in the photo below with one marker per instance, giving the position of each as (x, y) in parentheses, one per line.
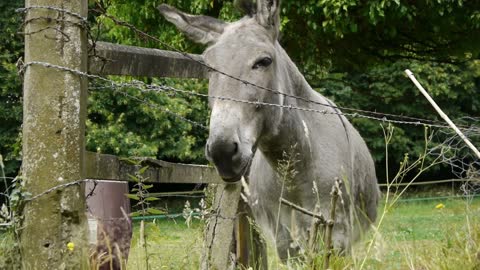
(53, 136)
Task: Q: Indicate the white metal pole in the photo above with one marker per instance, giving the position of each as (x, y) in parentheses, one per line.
(441, 113)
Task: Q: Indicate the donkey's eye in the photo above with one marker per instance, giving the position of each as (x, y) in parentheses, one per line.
(262, 62)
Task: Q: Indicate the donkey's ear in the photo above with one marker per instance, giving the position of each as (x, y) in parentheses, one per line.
(268, 15)
(201, 29)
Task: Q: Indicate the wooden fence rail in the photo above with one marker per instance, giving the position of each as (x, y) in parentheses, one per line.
(109, 167)
(115, 59)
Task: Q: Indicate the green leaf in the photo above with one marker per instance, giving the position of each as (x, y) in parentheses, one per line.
(133, 177)
(353, 27)
(150, 199)
(133, 197)
(142, 170)
(154, 211)
(136, 214)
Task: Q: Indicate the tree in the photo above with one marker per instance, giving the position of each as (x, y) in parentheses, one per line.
(385, 88)
(119, 125)
(11, 49)
(350, 35)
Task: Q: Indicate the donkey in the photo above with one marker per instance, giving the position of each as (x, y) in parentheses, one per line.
(249, 138)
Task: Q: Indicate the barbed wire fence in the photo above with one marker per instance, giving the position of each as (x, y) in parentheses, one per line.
(463, 163)
(354, 113)
(456, 148)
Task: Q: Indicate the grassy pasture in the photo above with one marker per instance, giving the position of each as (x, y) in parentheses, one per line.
(414, 235)
(171, 244)
(418, 235)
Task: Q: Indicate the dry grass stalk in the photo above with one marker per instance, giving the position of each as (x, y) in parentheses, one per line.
(334, 194)
(314, 228)
(303, 210)
(318, 220)
(313, 241)
(143, 242)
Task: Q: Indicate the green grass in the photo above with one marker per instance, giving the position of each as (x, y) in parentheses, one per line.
(414, 235)
(417, 235)
(171, 244)
(9, 258)
(415, 221)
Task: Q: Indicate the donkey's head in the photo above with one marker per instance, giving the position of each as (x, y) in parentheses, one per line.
(245, 49)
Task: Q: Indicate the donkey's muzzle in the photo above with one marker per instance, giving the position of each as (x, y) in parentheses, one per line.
(228, 159)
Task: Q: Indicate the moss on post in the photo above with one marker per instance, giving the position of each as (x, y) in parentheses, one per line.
(54, 230)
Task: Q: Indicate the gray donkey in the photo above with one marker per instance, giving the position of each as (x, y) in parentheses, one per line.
(249, 138)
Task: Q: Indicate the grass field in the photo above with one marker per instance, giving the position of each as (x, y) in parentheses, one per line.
(418, 235)
(414, 235)
(170, 245)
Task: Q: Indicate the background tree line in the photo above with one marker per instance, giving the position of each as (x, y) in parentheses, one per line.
(351, 51)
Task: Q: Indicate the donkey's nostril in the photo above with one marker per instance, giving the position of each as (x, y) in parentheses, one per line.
(235, 148)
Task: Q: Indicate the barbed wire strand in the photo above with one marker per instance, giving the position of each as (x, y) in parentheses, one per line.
(161, 88)
(61, 10)
(62, 186)
(210, 68)
(165, 110)
(255, 103)
(417, 121)
(84, 74)
(82, 24)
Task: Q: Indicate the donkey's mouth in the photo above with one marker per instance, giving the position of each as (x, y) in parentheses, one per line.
(244, 171)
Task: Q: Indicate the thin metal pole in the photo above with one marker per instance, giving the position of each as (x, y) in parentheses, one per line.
(441, 113)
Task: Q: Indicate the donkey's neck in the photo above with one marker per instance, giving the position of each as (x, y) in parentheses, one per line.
(292, 80)
(292, 129)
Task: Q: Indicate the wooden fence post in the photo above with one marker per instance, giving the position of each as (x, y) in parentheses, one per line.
(218, 242)
(251, 246)
(53, 136)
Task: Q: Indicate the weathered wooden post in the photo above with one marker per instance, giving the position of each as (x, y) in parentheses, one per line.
(219, 240)
(251, 247)
(53, 136)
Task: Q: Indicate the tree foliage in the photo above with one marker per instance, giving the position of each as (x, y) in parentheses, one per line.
(349, 35)
(141, 126)
(11, 49)
(352, 51)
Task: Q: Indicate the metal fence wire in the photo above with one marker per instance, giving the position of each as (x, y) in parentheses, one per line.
(450, 149)
(463, 163)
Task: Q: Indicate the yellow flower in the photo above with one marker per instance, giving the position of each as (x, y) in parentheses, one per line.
(70, 246)
(440, 206)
